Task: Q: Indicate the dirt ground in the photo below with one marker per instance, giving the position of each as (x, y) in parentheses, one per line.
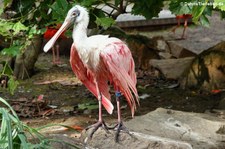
(63, 97)
(62, 91)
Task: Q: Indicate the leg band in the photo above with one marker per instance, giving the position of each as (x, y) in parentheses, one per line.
(118, 94)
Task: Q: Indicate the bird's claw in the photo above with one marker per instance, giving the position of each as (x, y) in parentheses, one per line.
(120, 128)
(96, 126)
(57, 62)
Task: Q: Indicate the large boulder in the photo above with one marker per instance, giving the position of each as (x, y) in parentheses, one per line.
(164, 129)
(172, 68)
(207, 70)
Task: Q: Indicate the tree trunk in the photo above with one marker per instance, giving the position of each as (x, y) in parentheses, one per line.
(24, 63)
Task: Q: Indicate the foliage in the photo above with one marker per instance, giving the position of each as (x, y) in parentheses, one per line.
(89, 105)
(220, 4)
(29, 19)
(11, 31)
(14, 133)
(147, 8)
(199, 9)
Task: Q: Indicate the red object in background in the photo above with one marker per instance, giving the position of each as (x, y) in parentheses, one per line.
(185, 17)
(216, 91)
(49, 33)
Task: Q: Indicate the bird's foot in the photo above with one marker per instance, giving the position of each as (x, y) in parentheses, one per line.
(183, 37)
(58, 61)
(120, 128)
(95, 127)
(173, 30)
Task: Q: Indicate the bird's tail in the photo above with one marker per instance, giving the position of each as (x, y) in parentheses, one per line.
(107, 104)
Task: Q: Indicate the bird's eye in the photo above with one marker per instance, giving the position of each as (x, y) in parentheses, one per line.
(76, 13)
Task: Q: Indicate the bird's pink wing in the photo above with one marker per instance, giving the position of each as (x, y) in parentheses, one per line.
(86, 77)
(118, 60)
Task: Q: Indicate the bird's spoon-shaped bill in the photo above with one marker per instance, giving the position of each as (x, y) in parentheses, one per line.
(52, 41)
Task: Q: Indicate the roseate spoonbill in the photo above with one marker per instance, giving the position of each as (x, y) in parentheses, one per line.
(99, 60)
(185, 17)
(50, 32)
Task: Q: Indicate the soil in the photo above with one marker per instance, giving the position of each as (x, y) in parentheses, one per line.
(62, 91)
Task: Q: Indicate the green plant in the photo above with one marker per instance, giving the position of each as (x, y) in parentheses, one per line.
(14, 133)
(199, 9)
(13, 34)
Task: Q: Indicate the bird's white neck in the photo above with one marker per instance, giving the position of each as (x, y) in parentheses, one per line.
(79, 33)
(80, 28)
(80, 39)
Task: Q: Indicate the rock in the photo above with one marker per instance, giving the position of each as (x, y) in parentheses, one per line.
(164, 129)
(180, 52)
(164, 55)
(161, 44)
(102, 140)
(172, 68)
(221, 104)
(142, 50)
(206, 39)
(207, 72)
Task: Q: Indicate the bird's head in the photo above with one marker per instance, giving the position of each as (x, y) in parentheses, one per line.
(75, 15)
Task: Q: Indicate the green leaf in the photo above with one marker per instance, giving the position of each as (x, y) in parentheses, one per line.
(219, 4)
(11, 109)
(23, 7)
(7, 3)
(10, 28)
(5, 28)
(60, 9)
(1, 10)
(90, 106)
(11, 51)
(6, 69)
(180, 7)
(18, 27)
(13, 133)
(222, 14)
(198, 10)
(12, 85)
(23, 140)
(34, 31)
(117, 2)
(147, 8)
(104, 22)
(89, 3)
(204, 21)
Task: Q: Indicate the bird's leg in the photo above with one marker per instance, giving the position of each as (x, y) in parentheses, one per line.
(177, 26)
(185, 27)
(100, 122)
(57, 54)
(53, 55)
(120, 126)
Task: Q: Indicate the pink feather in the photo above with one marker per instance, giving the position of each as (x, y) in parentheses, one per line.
(87, 78)
(117, 66)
